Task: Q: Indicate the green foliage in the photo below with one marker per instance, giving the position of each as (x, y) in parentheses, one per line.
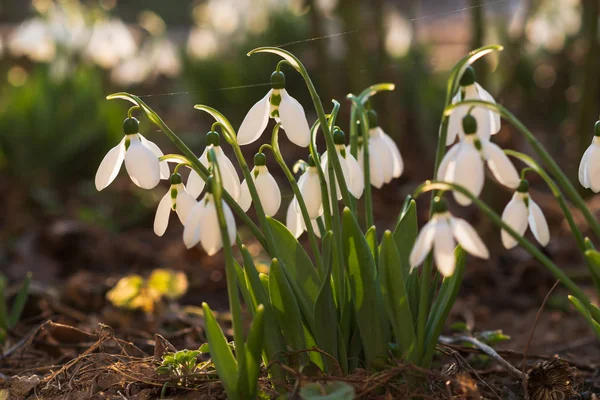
(331, 391)
(10, 316)
(178, 366)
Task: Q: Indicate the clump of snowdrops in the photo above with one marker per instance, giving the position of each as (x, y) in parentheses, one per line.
(355, 297)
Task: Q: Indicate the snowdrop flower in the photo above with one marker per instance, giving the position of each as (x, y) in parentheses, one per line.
(385, 161)
(441, 233)
(295, 223)
(229, 176)
(463, 164)
(266, 186)
(202, 225)
(310, 188)
(177, 199)
(520, 212)
(141, 158)
(353, 174)
(110, 43)
(33, 39)
(488, 120)
(282, 107)
(589, 168)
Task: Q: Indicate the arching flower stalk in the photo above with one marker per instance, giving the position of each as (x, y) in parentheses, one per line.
(353, 174)
(589, 167)
(282, 107)
(488, 120)
(266, 186)
(520, 212)
(177, 199)
(463, 164)
(141, 158)
(385, 161)
(231, 181)
(441, 233)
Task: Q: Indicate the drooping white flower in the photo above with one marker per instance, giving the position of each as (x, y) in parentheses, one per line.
(141, 158)
(266, 186)
(463, 164)
(176, 199)
(33, 38)
(589, 167)
(295, 222)
(520, 212)
(489, 121)
(110, 43)
(229, 176)
(202, 225)
(310, 188)
(441, 233)
(353, 173)
(385, 161)
(282, 107)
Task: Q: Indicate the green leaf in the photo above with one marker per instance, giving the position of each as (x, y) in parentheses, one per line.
(492, 338)
(220, 118)
(364, 96)
(588, 244)
(286, 307)
(368, 309)
(331, 391)
(220, 353)
(168, 283)
(243, 285)
(371, 237)
(395, 297)
(593, 262)
(289, 57)
(583, 310)
(254, 348)
(20, 301)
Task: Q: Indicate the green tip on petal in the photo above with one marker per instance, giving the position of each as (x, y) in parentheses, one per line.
(213, 138)
(469, 124)
(597, 129)
(338, 136)
(175, 179)
(260, 159)
(131, 126)
(278, 80)
(468, 77)
(439, 205)
(372, 117)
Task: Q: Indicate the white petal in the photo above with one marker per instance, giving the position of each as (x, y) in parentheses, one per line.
(468, 238)
(165, 173)
(142, 165)
(184, 203)
(538, 223)
(110, 166)
(315, 226)
(443, 248)
(449, 158)
(514, 215)
(293, 120)
(210, 233)
(355, 178)
(230, 220)
(325, 166)
(382, 152)
(161, 219)
(455, 120)
(467, 171)
(504, 170)
(486, 96)
(376, 176)
(231, 181)
(582, 168)
(195, 184)
(245, 200)
(592, 170)
(192, 224)
(423, 244)
(483, 116)
(255, 121)
(293, 220)
(396, 156)
(268, 192)
(310, 188)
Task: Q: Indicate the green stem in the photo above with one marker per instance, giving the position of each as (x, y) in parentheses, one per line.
(307, 221)
(555, 170)
(339, 278)
(496, 219)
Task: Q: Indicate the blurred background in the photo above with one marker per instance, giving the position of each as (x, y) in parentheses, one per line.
(59, 60)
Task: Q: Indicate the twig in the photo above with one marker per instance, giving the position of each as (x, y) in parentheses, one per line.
(484, 348)
(537, 318)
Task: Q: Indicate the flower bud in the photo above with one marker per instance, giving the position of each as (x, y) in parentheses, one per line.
(439, 205)
(175, 179)
(131, 126)
(523, 186)
(468, 77)
(213, 138)
(278, 80)
(260, 159)
(311, 161)
(338, 136)
(469, 124)
(372, 118)
(597, 129)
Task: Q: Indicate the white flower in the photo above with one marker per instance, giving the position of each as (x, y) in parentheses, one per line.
(520, 212)
(140, 156)
(295, 222)
(353, 173)
(229, 176)
(33, 38)
(110, 43)
(488, 121)
(310, 188)
(442, 232)
(266, 186)
(202, 225)
(277, 104)
(463, 164)
(589, 168)
(176, 199)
